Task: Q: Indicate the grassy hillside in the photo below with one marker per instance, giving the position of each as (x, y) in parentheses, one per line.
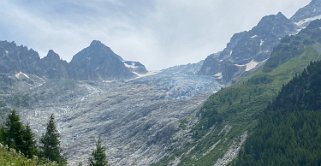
(289, 130)
(10, 157)
(229, 116)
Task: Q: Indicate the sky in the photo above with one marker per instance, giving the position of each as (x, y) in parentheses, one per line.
(158, 33)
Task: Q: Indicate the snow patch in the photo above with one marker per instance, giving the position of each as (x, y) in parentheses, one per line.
(239, 65)
(251, 65)
(304, 22)
(108, 81)
(149, 73)
(6, 52)
(254, 36)
(261, 42)
(21, 75)
(218, 75)
(231, 52)
(131, 65)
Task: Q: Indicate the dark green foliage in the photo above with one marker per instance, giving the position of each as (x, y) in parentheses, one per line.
(13, 131)
(29, 148)
(98, 156)
(19, 137)
(289, 130)
(260, 79)
(303, 92)
(289, 46)
(50, 144)
(285, 138)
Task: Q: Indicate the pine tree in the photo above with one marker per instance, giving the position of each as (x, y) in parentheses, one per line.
(18, 136)
(13, 131)
(98, 157)
(50, 148)
(29, 147)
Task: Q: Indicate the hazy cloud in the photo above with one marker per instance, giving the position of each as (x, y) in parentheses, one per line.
(159, 33)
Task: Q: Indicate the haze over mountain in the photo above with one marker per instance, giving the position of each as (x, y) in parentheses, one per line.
(96, 62)
(194, 114)
(141, 30)
(249, 49)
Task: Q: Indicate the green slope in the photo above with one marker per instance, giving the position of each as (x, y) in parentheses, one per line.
(9, 157)
(228, 116)
(289, 130)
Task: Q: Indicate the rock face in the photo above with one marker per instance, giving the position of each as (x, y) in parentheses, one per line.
(53, 67)
(247, 49)
(313, 9)
(135, 67)
(15, 58)
(96, 62)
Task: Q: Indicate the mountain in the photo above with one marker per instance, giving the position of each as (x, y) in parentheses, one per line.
(15, 59)
(248, 49)
(143, 112)
(308, 13)
(96, 62)
(178, 116)
(228, 117)
(53, 67)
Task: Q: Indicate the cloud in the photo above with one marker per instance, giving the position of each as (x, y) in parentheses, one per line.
(159, 33)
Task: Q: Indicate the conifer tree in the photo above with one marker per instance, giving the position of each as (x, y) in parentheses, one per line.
(13, 131)
(29, 146)
(18, 136)
(50, 143)
(98, 156)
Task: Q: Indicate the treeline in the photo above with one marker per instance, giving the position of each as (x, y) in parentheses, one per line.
(20, 137)
(289, 130)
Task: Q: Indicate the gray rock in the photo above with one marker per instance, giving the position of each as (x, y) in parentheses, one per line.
(249, 46)
(138, 119)
(313, 9)
(15, 58)
(98, 62)
(53, 67)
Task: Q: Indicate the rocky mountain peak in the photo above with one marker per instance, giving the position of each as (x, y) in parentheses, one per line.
(97, 43)
(313, 9)
(52, 55)
(278, 25)
(97, 49)
(273, 20)
(98, 61)
(247, 49)
(314, 26)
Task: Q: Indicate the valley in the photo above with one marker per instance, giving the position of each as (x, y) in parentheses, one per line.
(203, 113)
